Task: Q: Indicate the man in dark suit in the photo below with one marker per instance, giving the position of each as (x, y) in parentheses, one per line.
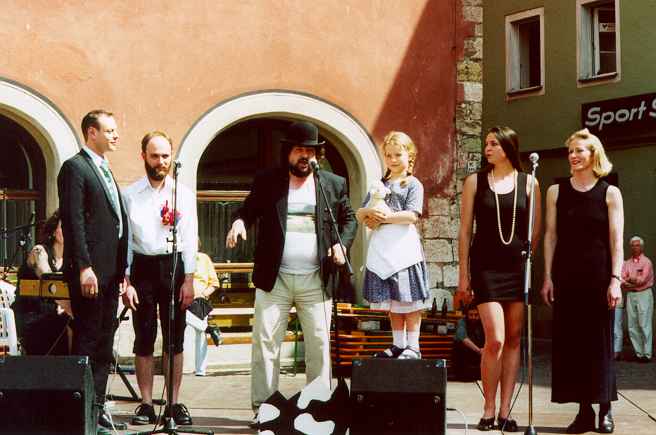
(95, 230)
(295, 257)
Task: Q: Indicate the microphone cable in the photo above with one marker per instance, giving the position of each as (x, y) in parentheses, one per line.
(644, 411)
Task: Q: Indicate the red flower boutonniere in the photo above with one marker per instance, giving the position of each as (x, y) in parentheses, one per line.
(167, 214)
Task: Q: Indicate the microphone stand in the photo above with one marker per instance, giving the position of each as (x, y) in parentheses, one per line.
(334, 230)
(169, 426)
(22, 242)
(530, 429)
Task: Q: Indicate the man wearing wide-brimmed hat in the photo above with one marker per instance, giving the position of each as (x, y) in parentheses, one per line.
(295, 257)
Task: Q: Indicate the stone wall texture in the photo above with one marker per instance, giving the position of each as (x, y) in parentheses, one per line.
(440, 226)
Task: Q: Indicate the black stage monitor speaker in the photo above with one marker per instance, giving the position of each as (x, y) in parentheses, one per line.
(391, 396)
(46, 395)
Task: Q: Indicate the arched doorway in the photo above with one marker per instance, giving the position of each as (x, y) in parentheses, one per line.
(22, 178)
(36, 139)
(349, 142)
(226, 172)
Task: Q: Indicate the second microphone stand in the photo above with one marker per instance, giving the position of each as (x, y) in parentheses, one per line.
(530, 429)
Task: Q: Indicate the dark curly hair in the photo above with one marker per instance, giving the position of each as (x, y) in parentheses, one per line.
(47, 233)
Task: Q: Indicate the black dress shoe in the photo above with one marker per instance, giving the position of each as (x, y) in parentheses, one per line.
(180, 414)
(485, 424)
(105, 421)
(582, 423)
(392, 352)
(144, 414)
(606, 423)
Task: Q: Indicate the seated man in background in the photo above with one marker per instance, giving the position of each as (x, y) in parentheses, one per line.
(468, 345)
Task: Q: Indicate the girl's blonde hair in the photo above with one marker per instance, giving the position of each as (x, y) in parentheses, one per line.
(601, 166)
(400, 139)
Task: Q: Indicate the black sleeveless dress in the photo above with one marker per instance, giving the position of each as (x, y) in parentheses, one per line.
(497, 270)
(582, 354)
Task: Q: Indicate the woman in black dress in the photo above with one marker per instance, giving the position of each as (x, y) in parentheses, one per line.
(42, 324)
(497, 199)
(583, 254)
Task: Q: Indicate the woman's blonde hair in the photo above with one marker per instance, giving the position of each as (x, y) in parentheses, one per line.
(400, 139)
(601, 166)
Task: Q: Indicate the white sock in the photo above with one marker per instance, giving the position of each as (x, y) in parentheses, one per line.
(398, 338)
(413, 340)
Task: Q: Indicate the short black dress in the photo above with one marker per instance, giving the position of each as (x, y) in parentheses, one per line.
(582, 354)
(497, 270)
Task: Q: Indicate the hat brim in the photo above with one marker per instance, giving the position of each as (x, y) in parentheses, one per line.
(306, 143)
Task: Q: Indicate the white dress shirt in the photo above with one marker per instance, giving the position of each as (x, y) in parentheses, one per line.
(99, 160)
(148, 234)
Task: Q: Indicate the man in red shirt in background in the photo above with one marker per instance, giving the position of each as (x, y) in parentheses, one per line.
(638, 277)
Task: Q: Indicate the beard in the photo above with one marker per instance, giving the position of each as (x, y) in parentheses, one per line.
(158, 173)
(296, 170)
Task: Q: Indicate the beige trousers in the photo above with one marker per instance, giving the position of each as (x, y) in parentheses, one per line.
(313, 308)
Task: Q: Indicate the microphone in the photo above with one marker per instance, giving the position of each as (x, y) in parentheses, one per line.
(534, 157)
(315, 165)
(177, 164)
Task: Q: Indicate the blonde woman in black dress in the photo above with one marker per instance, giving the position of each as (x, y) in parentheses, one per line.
(492, 266)
(583, 253)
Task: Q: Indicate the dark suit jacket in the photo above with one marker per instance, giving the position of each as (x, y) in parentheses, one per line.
(90, 223)
(267, 205)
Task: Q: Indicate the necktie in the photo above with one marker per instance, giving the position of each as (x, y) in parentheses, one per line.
(109, 180)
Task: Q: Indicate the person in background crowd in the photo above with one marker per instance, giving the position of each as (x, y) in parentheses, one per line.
(583, 253)
(497, 199)
(468, 346)
(638, 277)
(206, 282)
(43, 324)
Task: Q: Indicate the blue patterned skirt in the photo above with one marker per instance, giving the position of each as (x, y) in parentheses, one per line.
(408, 285)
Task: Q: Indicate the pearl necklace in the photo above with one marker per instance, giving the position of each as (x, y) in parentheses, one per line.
(496, 200)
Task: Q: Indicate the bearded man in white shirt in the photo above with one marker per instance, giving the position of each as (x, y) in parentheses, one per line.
(149, 203)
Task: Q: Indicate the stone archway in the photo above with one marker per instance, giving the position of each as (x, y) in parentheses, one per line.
(51, 130)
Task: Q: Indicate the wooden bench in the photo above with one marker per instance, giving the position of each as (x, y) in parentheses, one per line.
(357, 344)
(363, 344)
(217, 314)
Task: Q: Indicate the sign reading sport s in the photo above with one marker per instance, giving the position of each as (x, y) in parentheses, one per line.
(621, 120)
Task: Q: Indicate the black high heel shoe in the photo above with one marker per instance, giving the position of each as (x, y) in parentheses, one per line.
(485, 424)
(507, 424)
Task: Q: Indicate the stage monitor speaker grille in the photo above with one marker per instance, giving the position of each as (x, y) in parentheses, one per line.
(46, 395)
(391, 396)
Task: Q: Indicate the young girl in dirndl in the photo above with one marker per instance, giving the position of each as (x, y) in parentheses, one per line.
(396, 277)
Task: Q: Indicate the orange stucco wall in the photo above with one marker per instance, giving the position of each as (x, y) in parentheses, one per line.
(162, 64)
